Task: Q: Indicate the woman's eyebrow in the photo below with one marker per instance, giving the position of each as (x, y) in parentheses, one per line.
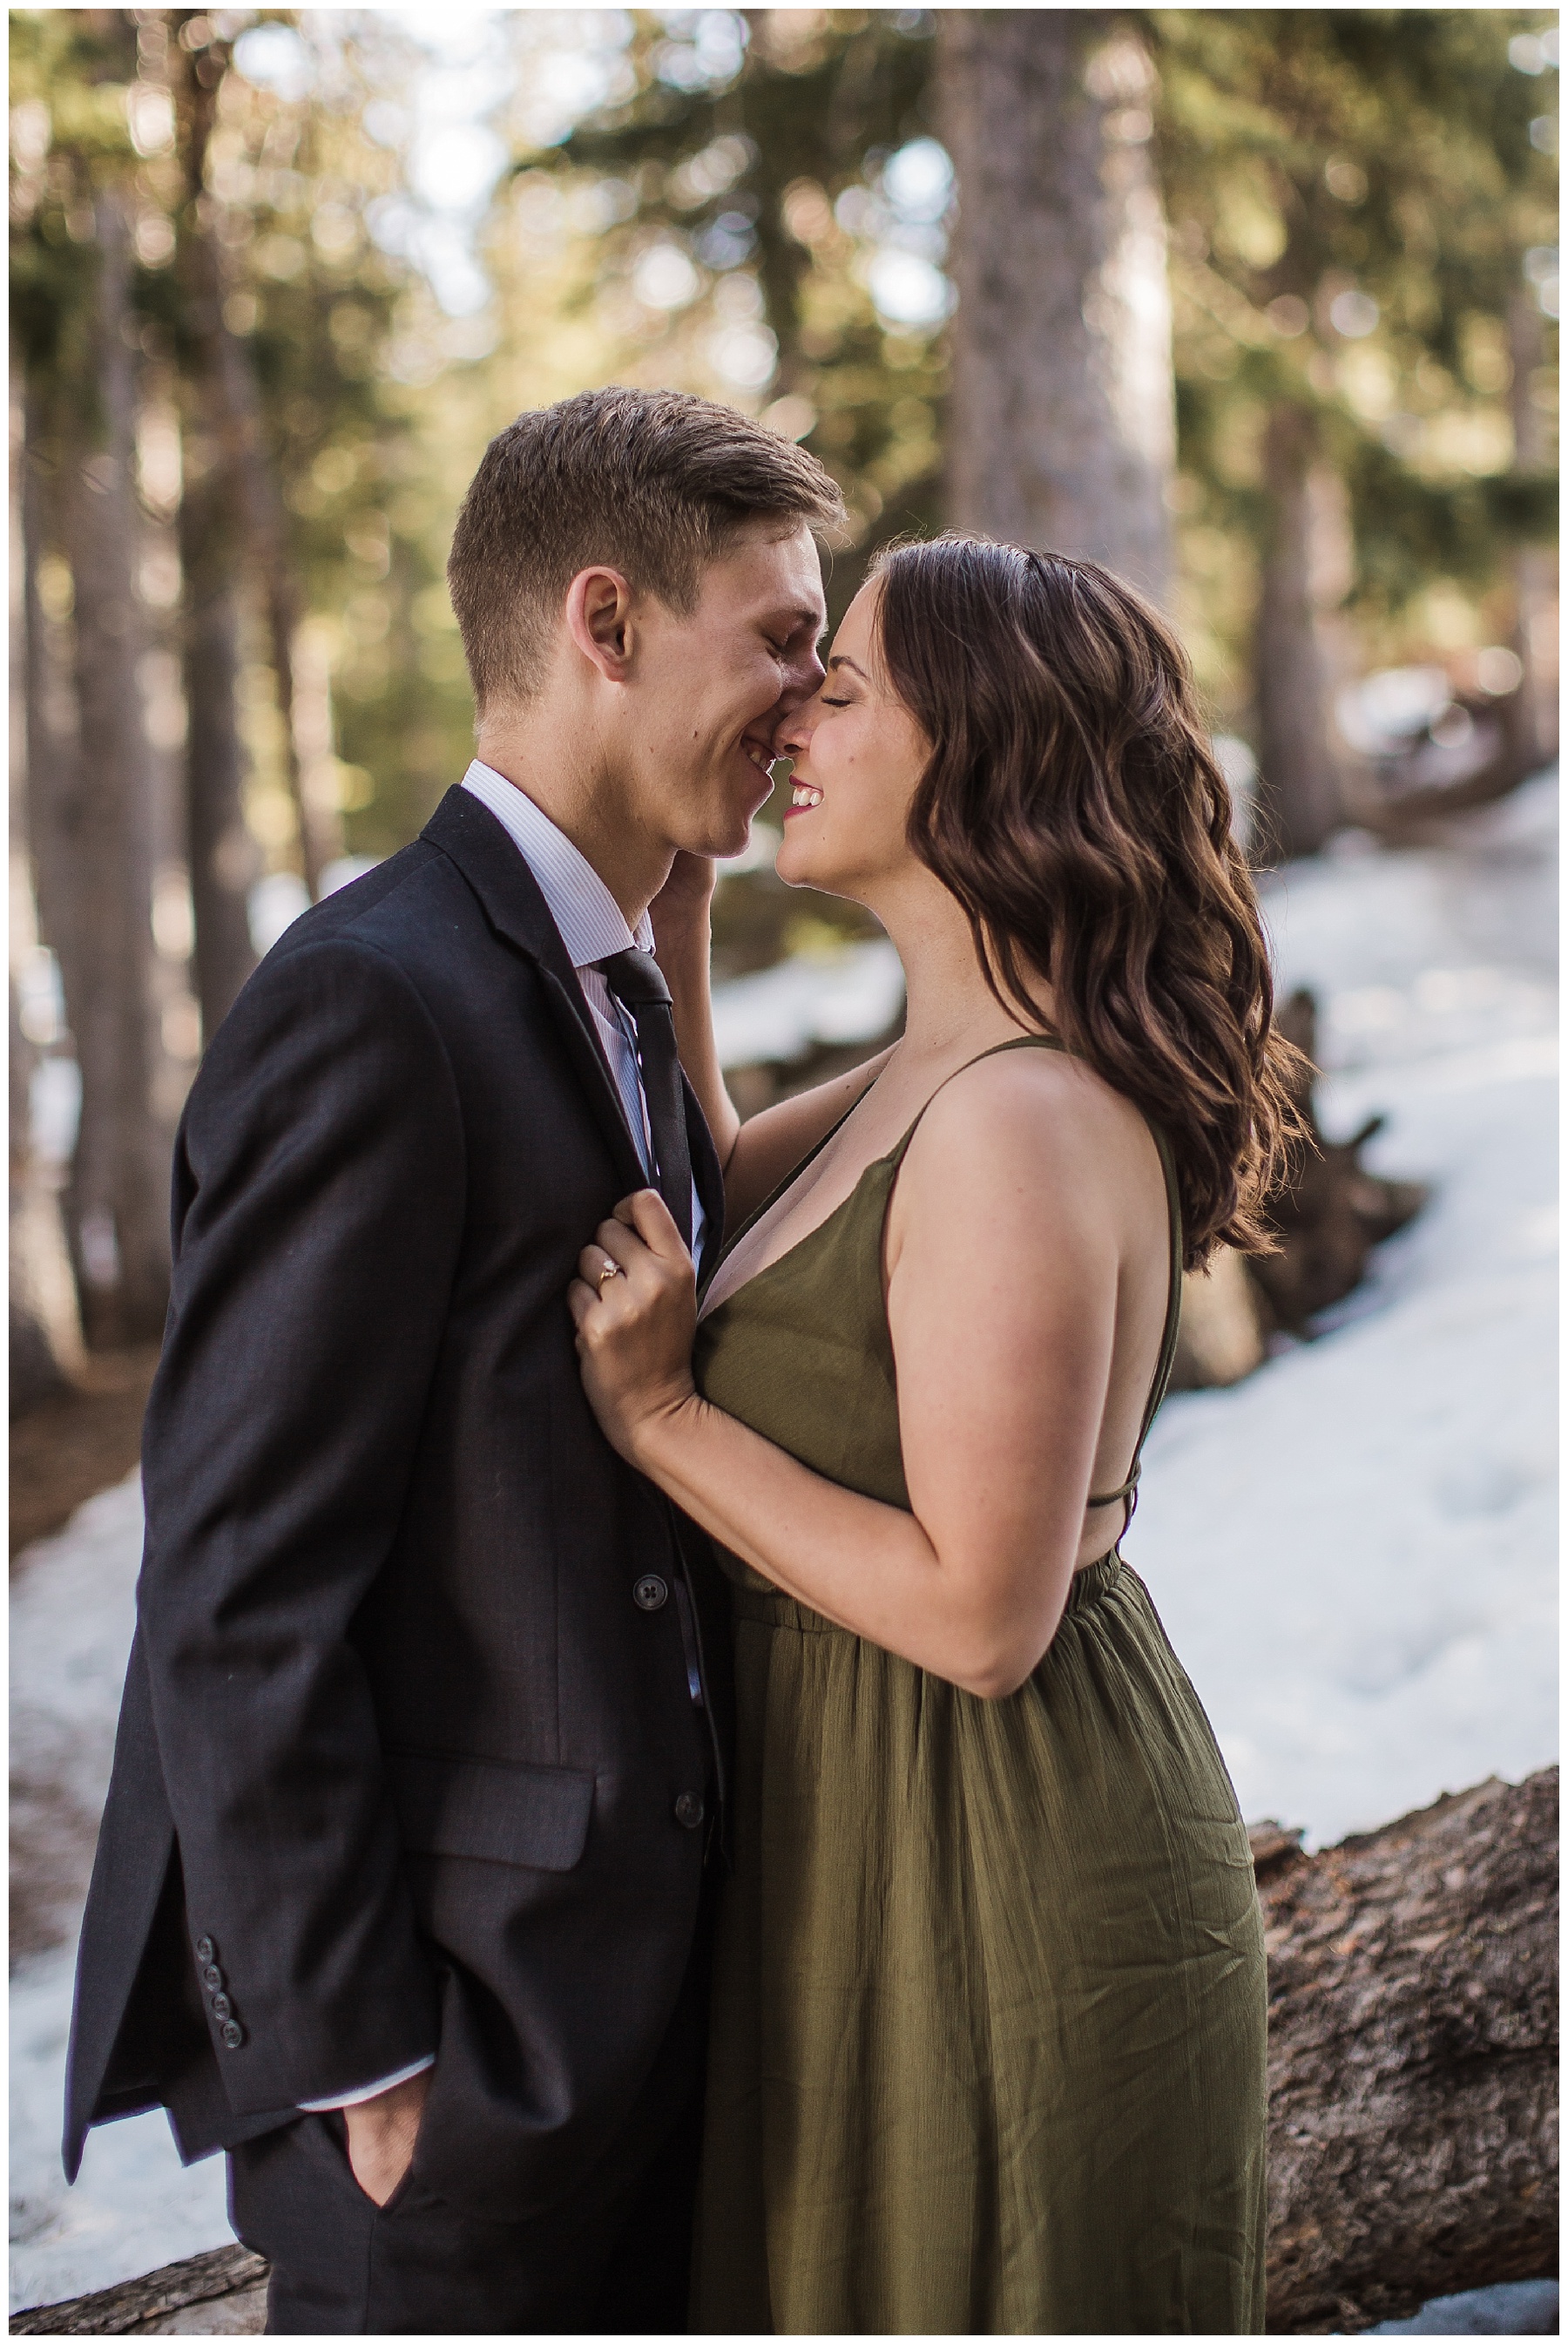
(841, 659)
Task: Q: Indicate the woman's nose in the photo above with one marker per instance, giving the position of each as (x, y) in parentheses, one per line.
(792, 732)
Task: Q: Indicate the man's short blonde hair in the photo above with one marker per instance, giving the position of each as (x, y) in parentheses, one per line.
(653, 483)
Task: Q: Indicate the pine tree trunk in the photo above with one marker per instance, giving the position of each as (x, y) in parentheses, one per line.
(212, 532)
(1299, 796)
(1530, 728)
(247, 503)
(1062, 420)
(46, 1336)
(222, 856)
(117, 1209)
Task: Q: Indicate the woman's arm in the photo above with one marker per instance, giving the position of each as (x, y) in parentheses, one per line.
(758, 1155)
(1002, 1302)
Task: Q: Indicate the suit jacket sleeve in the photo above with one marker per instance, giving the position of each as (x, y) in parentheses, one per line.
(319, 1181)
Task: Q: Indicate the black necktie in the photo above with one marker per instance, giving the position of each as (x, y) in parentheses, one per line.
(636, 978)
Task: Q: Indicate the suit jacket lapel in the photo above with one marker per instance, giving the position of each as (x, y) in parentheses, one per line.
(468, 832)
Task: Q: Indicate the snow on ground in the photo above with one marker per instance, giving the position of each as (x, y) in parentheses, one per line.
(1353, 1550)
(133, 2207)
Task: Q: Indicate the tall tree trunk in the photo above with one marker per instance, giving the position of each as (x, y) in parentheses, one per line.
(1300, 795)
(1529, 716)
(222, 856)
(118, 1227)
(46, 1336)
(1062, 422)
(247, 499)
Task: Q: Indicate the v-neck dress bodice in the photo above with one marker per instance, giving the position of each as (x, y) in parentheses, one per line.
(987, 2033)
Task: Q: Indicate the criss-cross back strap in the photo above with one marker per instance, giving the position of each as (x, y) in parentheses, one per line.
(1128, 1492)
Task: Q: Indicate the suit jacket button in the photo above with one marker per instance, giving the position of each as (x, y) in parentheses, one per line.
(221, 2007)
(212, 1976)
(689, 1811)
(233, 2033)
(205, 1951)
(650, 1594)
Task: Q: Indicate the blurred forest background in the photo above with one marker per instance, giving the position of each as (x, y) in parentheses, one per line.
(1258, 305)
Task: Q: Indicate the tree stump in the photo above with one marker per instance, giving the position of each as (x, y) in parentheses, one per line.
(1413, 2058)
(1325, 1220)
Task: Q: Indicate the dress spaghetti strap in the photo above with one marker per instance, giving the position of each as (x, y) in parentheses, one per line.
(1128, 1492)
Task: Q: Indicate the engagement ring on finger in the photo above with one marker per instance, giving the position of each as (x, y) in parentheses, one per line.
(611, 1269)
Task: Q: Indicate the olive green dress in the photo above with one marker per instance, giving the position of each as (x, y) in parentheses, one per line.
(988, 2035)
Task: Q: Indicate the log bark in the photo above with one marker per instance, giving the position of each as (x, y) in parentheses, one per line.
(1062, 422)
(1413, 2079)
(1412, 2059)
(224, 2288)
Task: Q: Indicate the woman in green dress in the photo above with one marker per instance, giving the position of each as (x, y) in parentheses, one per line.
(987, 2033)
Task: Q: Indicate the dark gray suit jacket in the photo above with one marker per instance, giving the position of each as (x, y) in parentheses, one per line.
(404, 1763)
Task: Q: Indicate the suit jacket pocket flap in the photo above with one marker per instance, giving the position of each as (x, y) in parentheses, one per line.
(501, 1814)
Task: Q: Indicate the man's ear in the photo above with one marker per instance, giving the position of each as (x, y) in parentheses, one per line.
(599, 620)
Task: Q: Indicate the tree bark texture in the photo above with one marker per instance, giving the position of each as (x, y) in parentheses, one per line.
(44, 1334)
(228, 446)
(222, 855)
(1530, 717)
(1061, 421)
(1412, 2059)
(1301, 795)
(220, 2294)
(92, 830)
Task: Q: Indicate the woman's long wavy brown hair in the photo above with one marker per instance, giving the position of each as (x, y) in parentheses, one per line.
(1073, 807)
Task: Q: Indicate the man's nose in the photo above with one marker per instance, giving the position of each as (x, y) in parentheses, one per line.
(805, 679)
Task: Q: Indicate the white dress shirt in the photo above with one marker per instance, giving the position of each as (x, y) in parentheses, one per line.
(592, 926)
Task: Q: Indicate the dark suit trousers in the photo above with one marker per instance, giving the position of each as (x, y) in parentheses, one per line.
(614, 2261)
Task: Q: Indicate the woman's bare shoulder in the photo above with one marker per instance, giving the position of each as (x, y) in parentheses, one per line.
(1025, 1130)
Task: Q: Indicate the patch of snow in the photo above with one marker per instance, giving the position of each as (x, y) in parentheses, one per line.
(133, 2208)
(1520, 2307)
(72, 1608)
(1354, 1551)
(776, 1017)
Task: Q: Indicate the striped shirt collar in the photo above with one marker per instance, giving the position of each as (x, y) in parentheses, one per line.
(592, 925)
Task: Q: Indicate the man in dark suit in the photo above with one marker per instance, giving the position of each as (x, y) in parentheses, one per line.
(400, 1891)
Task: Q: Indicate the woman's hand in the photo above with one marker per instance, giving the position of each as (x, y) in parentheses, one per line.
(682, 907)
(635, 1322)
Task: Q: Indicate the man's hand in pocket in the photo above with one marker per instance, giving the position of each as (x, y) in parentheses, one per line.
(381, 2135)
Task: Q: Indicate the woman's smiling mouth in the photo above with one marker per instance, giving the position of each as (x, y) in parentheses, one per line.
(803, 796)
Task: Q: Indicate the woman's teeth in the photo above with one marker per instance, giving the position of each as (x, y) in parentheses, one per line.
(803, 795)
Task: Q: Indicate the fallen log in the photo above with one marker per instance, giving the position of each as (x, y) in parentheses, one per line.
(220, 2294)
(1325, 1220)
(1412, 2059)
(1413, 2080)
